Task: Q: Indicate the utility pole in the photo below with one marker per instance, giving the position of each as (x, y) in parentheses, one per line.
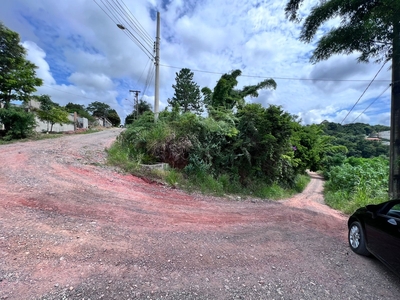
(136, 102)
(157, 75)
(394, 175)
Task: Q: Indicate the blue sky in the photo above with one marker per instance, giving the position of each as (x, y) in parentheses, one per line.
(84, 57)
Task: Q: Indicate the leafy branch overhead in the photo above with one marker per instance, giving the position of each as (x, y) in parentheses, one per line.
(366, 27)
(226, 96)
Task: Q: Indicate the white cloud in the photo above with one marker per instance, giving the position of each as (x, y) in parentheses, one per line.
(98, 82)
(37, 56)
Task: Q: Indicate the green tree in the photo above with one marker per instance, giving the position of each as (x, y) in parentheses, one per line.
(20, 122)
(226, 97)
(51, 112)
(99, 109)
(17, 75)
(114, 117)
(80, 110)
(311, 145)
(143, 107)
(263, 139)
(187, 93)
(366, 27)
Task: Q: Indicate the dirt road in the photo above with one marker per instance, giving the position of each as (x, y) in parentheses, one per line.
(71, 228)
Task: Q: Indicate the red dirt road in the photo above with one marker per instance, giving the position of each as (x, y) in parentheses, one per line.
(72, 228)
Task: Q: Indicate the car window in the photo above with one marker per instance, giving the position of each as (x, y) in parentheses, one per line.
(394, 211)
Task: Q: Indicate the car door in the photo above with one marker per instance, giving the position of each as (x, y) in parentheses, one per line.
(383, 235)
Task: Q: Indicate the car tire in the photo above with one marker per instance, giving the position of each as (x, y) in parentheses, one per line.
(356, 239)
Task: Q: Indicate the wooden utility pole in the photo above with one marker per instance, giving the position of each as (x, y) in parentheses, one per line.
(157, 75)
(136, 102)
(394, 177)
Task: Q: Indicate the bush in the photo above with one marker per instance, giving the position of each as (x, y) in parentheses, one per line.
(247, 152)
(358, 182)
(19, 124)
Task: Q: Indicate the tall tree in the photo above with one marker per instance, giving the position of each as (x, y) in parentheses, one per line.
(187, 93)
(114, 118)
(225, 95)
(17, 75)
(99, 109)
(370, 28)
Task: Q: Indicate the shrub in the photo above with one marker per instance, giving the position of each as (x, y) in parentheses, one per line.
(19, 123)
(358, 182)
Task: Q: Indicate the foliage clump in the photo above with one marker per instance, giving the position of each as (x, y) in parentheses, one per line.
(357, 182)
(238, 148)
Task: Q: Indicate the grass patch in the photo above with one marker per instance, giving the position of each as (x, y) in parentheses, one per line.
(357, 183)
(120, 156)
(349, 202)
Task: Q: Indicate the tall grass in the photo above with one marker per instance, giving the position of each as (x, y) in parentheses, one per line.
(120, 156)
(358, 182)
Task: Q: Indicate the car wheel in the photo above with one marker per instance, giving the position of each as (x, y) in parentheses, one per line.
(357, 239)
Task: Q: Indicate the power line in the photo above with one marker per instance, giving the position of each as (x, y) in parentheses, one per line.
(137, 25)
(114, 10)
(363, 93)
(372, 102)
(282, 78)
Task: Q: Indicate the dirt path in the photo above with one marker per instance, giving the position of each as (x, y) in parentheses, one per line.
(71, 228)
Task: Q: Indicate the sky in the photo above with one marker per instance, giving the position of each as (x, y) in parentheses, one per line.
(82, 56)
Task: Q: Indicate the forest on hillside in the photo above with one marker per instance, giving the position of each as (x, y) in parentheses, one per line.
(353, 137)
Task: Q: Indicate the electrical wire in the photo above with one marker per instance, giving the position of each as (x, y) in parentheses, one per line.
(137, 25)
(149, 79)
(114, 10)
(281, 78)
(125, 18)
(363, 93)
(372, 103)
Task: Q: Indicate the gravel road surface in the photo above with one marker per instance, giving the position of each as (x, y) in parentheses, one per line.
(73, 228)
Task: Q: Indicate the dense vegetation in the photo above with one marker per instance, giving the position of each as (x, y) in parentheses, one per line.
(361, 176)
(244, 148)
(353, 137)
(357, 182)
(239, 147)
(368, 29)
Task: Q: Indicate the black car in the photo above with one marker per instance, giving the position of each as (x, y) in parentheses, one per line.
(375, 229)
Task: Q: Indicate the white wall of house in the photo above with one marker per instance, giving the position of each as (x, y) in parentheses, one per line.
(44, 126)
(104, 122)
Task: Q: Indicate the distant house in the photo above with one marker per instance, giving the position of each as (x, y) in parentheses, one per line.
(103, 122)
(373, 139)
(383, 137)
(76, 122)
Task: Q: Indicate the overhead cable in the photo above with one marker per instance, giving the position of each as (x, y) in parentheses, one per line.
(372, 103)
(281, 78)
(363, 93)
(128, 23)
